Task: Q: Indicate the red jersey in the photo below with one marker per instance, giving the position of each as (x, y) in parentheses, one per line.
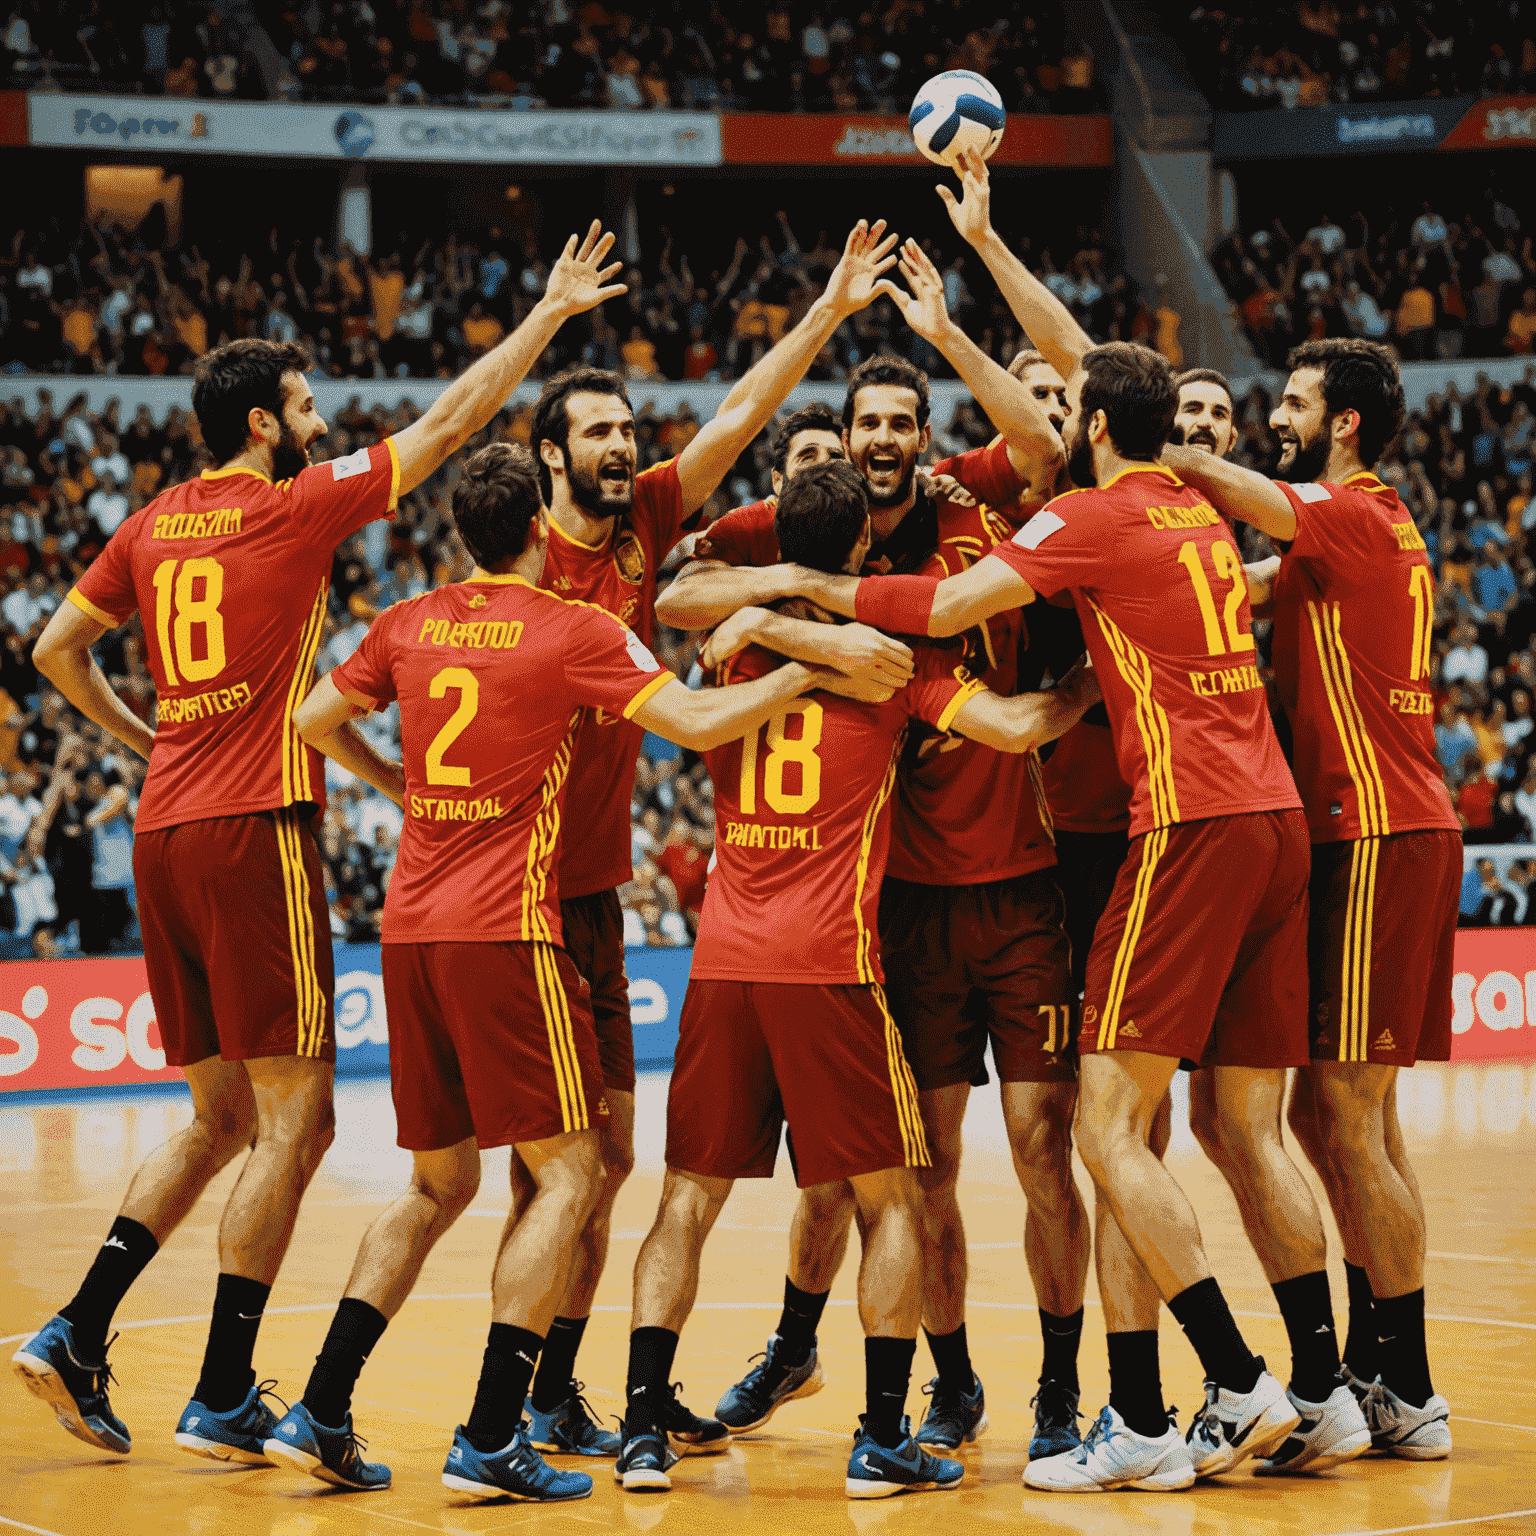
(1082, 780)
(619, 576)
(802, 829)
(492, 677)
(231, 574)
(1354, 614)
(1160, 588)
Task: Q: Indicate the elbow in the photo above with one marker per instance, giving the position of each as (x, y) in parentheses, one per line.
(947, 617)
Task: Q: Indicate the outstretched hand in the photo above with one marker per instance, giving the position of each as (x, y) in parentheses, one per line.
(856, 279)
(971, 213)
(579, 280)
(923, 308)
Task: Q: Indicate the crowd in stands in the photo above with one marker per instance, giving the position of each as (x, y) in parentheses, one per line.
(793, 56)
(103, 299)
(1304, 53)
(1432, 281)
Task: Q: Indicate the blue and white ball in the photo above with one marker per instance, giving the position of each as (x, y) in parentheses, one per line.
(955, 111)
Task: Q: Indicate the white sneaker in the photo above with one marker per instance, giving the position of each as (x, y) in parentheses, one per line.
(1330, 1433)
(1416, 1434)
(1236, 1425)
(1114, 1456)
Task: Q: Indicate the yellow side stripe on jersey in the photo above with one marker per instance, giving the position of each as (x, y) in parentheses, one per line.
(1355, 978)
(544, 838)
(562, 1039)
(1359, 755)
(864, 940)
(1152, 850)
(309, 995)
(909, 1116)
(296, 785)
(1151, 720)
(1032, 758)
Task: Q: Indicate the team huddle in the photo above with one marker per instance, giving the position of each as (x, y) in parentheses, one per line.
(993, 765)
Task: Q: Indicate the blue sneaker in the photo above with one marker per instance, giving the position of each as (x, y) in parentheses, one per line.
(876, 1472)
(516, 1471)
(332, 1455)
(953, 1418)
(241, 1434)
(571, 1429)
(1056, 1416)
(688, 1433)
(766, 1388)
(75, 1389)
(644, 1463)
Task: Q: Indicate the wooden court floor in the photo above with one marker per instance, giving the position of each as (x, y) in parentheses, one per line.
(64, 1166)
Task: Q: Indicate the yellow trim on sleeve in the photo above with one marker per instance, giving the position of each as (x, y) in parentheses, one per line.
(91, 611)
(967, 692)
(652, 688)
(394, 473)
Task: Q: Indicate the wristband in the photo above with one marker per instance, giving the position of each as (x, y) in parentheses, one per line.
(900, 605)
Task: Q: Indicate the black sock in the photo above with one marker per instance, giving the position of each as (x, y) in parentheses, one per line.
(1360, 1344)
(651, 1353)
(799, 1320)
(1208, 1324)
(354, 1331)
(118, 1263)
(227, 1375)
(1403, 1352)
(557, 1365)
(507, 1368)
(1307, 1307)
(1061, 1336)
(887, 1374)
(1136, 1382)
(952, 1356)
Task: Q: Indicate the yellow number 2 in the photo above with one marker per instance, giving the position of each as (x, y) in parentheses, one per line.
(178, 610)
(783, 749)
(468, 686)
(1229, 567)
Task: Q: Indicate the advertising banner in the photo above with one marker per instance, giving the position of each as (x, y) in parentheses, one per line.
(103, 124)
(1495, 994)
(1298, 132)
(1500, 122)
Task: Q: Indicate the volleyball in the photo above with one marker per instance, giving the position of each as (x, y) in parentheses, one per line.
(956, 111)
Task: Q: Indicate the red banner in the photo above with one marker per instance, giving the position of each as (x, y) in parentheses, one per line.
(1495, 994)
(1500, 122)
(773, 138)
(13, 117)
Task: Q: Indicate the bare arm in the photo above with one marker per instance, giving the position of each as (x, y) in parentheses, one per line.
(749, 407)
(959, 602)
(853, 649)
(1028, 720)
(1241, 493)
(1047, 320)
(1261, 586)
(707, 592)
(63, 655)
(579, 281)
(324, 720)
(114, 803)
(713, 716)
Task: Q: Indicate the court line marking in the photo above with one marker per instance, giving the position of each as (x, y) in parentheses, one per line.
(1442, 1525)
(20, 1526)
(1530, 1429)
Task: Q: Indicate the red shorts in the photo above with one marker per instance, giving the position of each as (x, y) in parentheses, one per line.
(1201, 953)
(594, 939)
(237, 938)
(965, 963)
(489, 1040)
(1381, 947)
(753, 1054)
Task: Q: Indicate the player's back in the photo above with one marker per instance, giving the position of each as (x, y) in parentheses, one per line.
(1354, 620)
(802, 830)
(230, 573)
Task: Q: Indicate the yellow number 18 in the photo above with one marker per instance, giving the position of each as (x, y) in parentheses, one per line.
(177, 610)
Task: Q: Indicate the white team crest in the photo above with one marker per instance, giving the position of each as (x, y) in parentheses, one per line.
(351, 464)
(638, 654)
(1037, 530)
(1311, 492)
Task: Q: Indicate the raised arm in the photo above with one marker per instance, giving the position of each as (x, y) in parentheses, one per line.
(855, 650)
(916, 605)
(63, 655)
(749, 407)
(578, 282)
(1028, 720)
(324, 720)
(1045, 318)
(707, 592)
(712, 716)
(1241, 493)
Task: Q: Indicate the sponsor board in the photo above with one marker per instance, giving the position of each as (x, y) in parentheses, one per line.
(1500, 122)
(72, 1024)
(1452, 122)
(770, 138)
(1494, 992)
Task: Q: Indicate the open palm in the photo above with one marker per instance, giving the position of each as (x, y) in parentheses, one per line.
(579, 281)
(855, 280)
(922, 307)
(971, 213)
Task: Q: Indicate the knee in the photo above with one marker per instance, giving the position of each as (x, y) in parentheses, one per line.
(1206, 1125)
(1042, 1153)
(825, 1205)
(618, 1162)
(943, 1170)
(227, 1130)
(452, 1190)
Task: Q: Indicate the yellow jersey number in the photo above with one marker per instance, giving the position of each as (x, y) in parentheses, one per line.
(782, 750)
(180, 609)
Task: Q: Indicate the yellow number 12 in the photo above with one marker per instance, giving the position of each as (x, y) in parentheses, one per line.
(1228, 568)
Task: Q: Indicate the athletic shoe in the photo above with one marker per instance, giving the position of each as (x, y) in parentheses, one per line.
(644, 1463)
(767, 1387)
(1236, 1425)
(876, 1471)
(1330, 1433)
(516, 1471)
(332, 1455)
(689, 1434)
(1415, 1434)
(1358, 1389)
(571, 1429)
(239, 1434)
(953, 1418)
(75, 1389)
(1056, 1416)
(1115, 1456)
